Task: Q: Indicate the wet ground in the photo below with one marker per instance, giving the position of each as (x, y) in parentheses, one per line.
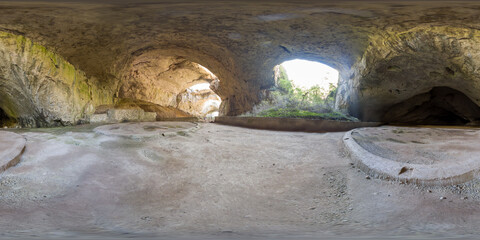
(217, 182)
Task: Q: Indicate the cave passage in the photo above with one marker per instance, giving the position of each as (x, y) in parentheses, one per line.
(200, 100)
(439, 106)
(5, 120)
(171, 86)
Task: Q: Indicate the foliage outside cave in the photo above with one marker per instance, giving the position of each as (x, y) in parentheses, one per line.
(290, 101)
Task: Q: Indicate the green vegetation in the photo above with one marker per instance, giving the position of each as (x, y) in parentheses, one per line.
(296, 113)
(287, 100)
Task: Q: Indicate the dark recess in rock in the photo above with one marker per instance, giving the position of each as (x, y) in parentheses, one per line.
(439, 106)
(5, 119)
(285, 49)
(449, 71)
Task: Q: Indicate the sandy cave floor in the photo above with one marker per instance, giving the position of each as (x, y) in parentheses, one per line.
(216, 182)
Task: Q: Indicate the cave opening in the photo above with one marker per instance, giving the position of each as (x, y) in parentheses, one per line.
(303, 89)
(170, 86)
(439, 106)
(199, 98)
(306, 74)
(5, 120)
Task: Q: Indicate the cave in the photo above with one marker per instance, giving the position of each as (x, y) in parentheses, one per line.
(439, 106)
(5, 120)
(110, 120)
(168, 86)
(199, 100)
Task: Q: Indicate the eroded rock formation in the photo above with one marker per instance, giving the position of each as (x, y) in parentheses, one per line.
(413, 69)
(200, 103)
(439, 106)
(39, 88)
(167, 81)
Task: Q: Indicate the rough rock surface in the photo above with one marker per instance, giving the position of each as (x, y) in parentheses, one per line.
(120, 115)
(440, 106)
(386, 52)
(39, 88)
(408, 65)
(124, 115)
(199, 103)
(165, 81)
(99, 118)
(161, 111)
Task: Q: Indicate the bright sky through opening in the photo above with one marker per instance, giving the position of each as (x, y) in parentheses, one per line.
(305, 74)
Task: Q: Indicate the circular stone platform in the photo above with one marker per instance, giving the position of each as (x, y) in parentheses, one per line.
(426, 156)
(145, 129)
(11, 148)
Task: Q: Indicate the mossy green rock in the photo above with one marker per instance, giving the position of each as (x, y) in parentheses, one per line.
(296, 113)
(40, 88)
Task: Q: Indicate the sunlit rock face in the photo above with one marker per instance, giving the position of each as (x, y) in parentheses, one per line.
(386, 53)
(159, 79)
(39, 88)
(199, 100)
(170, 81)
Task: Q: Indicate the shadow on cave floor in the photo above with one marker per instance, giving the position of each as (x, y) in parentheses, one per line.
(439, 106)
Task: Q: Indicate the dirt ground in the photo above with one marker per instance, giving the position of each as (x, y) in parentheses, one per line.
(217, 182)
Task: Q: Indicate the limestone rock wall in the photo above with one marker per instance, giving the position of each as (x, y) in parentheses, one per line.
(199, 103)
(161, 112)
(386, 52)
(39, 88)
(124, 115)
(399, 65)
(165, 81)
(159, 79)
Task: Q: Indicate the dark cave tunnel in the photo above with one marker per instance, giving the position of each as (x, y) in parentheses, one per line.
(5, 120)
(439, 106)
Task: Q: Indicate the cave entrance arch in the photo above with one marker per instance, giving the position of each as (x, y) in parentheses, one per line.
(173, 86)
(307, 74)
(199, 98)
(303, 89)
(312, 85)
(6, 120)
